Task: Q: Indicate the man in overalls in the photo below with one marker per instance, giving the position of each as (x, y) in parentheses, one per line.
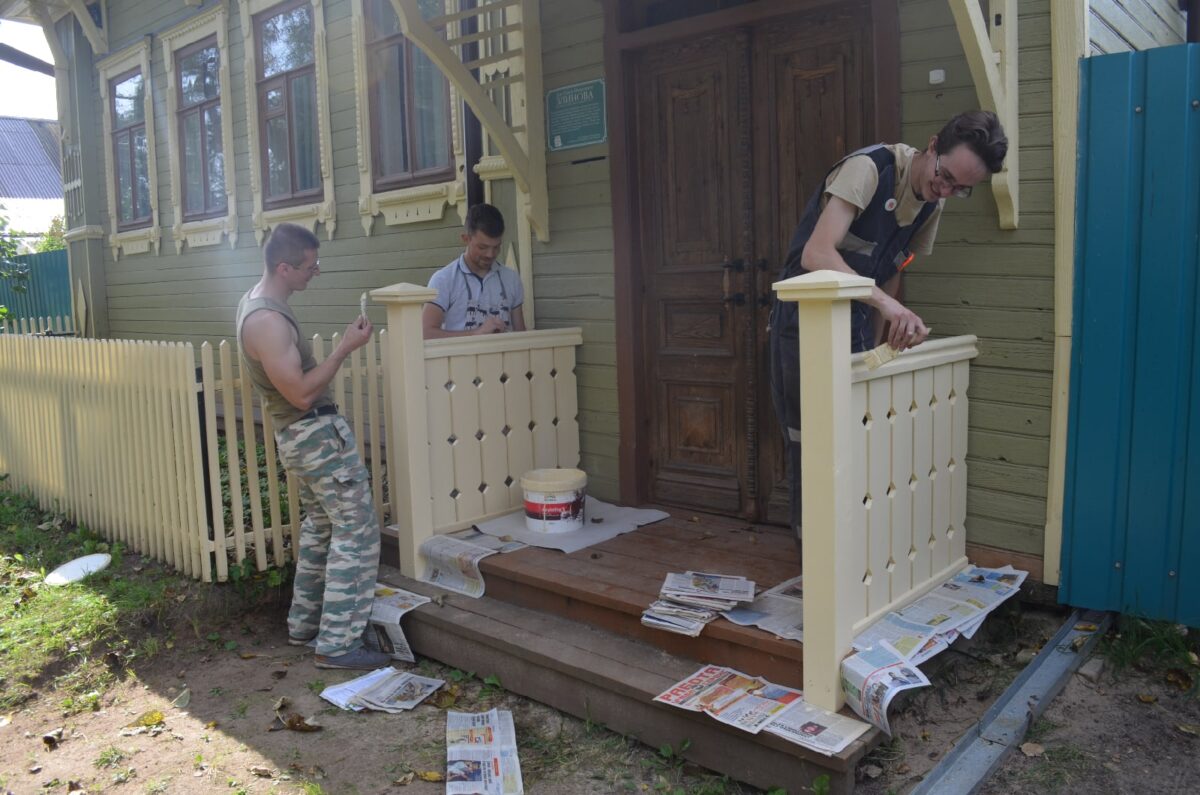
(475, 293)
(876, 208)
(338, 557)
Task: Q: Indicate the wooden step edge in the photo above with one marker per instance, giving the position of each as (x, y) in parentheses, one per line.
(605, 678)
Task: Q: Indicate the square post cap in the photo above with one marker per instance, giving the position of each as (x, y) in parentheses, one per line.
(824, 285)
(403, 293)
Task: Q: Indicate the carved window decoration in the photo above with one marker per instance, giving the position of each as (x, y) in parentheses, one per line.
(291, 167)
(196, 56)
(409, 152)
(129, 155)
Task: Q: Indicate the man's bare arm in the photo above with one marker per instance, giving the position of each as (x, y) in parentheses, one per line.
(518, 319)
(905, 328)
(269, 339)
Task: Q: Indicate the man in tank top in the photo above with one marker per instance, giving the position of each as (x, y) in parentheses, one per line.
(339, 538)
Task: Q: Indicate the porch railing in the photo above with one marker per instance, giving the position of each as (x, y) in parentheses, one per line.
(469, 416)
(884, 478)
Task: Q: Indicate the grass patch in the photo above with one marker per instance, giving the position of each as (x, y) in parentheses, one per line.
(64, 632)
(1058, 769)
(1150, 645)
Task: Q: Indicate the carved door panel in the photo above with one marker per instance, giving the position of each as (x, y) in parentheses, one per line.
(694, 185)
(812, 75)
(733, 132)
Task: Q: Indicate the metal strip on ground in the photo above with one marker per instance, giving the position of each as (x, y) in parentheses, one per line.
(983, 748)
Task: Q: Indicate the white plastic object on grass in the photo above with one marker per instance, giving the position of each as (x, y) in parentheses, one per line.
(76, 570)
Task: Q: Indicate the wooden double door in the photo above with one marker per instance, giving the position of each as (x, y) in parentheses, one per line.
(732, 131)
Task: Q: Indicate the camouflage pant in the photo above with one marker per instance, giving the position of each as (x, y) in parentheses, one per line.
(339, 538)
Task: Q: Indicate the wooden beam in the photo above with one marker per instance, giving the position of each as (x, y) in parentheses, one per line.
(1068, 44)
(992, 58)
(96, 36)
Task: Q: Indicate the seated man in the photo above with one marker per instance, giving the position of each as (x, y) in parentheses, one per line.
(476, 294)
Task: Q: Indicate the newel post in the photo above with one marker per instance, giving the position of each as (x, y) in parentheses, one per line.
(408, 417)
(826, 468)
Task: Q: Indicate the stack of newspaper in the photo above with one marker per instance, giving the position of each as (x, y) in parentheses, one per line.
(384, 689)
(690, 600)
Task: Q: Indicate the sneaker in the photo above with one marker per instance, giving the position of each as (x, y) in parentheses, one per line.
(295, 641)
(360, 659)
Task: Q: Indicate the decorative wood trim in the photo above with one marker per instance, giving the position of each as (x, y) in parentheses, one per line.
(209, 231)
(1068, 44)
(92, 232)
(927, 354)
(324, 211)
(133, 241)
(96, 36)
(406, 205)
(521, 140)
(992, 58)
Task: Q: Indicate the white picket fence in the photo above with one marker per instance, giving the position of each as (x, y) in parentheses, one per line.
(56, 324)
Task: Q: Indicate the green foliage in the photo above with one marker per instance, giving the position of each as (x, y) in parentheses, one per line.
(66, 631)
(1154, 645)
(264, 493)
(53, 239)
(14, 272)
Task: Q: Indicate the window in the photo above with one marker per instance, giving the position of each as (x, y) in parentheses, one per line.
(130, 163)
(201, 151)
(196, 57)
(410, 155)
(130, 149)
(409, 104)
(287, 105)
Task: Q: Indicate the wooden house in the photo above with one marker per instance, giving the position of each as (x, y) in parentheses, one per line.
(651, 157)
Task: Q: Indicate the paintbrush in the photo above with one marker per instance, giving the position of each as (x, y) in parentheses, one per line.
(881, 355)
(362, 305)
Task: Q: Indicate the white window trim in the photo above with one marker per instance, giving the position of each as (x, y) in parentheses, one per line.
(324, 211)
(133, 241)
(209, 231)
(406, 205)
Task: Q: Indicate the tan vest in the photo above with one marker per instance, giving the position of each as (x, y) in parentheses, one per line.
(274, 404)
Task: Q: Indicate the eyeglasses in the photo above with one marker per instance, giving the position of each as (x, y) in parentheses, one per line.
(311, 269)
(956, 190)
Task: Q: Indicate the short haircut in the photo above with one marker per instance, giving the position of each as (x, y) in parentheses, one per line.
(287, 243)
(980, 130)
(485, 218)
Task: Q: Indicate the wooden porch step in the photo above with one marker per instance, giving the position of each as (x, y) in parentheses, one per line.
(610, 584)
(608, 679)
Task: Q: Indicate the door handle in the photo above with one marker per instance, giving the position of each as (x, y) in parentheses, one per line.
(729, 266)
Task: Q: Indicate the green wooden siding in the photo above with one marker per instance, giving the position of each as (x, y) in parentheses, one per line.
(990, 282)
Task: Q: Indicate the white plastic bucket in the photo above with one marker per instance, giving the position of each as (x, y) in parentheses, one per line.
(554, 499)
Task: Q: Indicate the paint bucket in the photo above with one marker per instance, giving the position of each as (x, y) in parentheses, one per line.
(554, 499)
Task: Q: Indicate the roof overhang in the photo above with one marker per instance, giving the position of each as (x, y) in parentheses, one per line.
(46, 12)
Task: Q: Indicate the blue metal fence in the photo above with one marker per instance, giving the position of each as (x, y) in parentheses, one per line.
(49, 287)
(1132, 505)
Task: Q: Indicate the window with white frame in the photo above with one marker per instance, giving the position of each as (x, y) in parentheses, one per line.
(410, 158)
(287, 108)
(131, 149)
(130, 164)
(196, 57)
(287, 104)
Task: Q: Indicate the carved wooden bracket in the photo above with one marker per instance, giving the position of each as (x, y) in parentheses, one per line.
(991, 52)
(507, 102)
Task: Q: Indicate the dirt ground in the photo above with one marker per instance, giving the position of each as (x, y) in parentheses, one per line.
(1094, 737)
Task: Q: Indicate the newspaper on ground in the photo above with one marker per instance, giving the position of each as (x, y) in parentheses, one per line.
(400, 691)
(481, 754)
(907, 637)
(452, 564)
(779, 610)
(939, 613)
(343, 695)
(745, 702)
(872, 678)
(502, 544)
(383, 630)
(817, 729)
(602, 522)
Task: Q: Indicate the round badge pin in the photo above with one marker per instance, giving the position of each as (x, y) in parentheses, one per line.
(889, 205)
